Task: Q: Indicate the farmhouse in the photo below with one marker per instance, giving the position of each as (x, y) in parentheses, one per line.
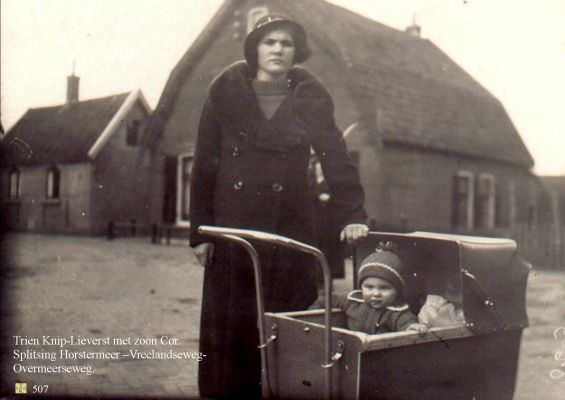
(436, 151)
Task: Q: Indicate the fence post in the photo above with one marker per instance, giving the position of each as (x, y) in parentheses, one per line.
(110, 233)
(168, 235)
(154, 233)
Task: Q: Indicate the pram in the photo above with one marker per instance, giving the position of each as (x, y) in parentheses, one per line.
(312, 355)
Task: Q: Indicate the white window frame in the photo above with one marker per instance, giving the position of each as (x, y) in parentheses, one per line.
(470, 206)
(183, 189)
(253, 16)
(52, 183)
(487, 182)
(512, 206)
(14, 186)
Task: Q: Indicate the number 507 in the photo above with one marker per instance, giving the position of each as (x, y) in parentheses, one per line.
(40, 388)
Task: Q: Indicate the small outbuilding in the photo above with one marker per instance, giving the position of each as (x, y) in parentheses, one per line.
(75, 167)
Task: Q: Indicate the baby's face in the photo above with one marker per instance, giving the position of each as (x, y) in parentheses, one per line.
(378, 293)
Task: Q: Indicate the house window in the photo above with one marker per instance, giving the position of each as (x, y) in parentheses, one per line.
(512, 207)
(184, 170)
(14, 184)
(53, 183)
(253, 16)
(132, 134)
(462, 201)
(485, 202)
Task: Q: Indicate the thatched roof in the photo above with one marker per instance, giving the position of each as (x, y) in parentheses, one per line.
(418, 95)
(66, 133)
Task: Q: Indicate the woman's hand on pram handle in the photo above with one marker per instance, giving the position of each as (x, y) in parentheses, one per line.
(353, 232)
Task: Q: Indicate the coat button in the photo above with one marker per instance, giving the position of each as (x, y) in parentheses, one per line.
(277, 187)
(236, 152)
(238, 185)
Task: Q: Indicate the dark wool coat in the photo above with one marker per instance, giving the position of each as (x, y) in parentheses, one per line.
(251, 172)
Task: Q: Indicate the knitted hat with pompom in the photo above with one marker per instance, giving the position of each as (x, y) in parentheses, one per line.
(383, 264)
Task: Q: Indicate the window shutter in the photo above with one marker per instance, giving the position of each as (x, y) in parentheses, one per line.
(132, 133)
(14, 184)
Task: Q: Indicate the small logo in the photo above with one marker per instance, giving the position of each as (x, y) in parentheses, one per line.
(21, 388)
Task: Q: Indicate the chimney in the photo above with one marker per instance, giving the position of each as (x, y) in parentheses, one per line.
(72, 89)
(414, 30)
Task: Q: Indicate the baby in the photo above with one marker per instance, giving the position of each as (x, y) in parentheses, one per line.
(379, 306)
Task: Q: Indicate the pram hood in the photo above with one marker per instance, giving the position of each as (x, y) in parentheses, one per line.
(491, 276)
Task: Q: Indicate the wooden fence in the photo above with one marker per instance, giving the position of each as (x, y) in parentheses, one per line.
(543, 246)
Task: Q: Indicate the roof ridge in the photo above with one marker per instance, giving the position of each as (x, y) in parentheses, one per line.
(81, 101)
(65, 134)
(359, 16)
(183, 68)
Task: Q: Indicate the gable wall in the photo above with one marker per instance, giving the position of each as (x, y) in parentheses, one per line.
(120, 187)
(180, 129)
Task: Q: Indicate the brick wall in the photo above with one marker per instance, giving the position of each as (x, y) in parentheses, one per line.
(409, 188)
(69, 213)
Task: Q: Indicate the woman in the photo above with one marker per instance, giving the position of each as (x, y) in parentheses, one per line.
(259, 122)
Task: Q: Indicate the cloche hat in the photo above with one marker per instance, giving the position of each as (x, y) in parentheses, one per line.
(268, 23)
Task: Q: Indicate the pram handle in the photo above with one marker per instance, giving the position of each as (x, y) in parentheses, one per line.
(239, 236)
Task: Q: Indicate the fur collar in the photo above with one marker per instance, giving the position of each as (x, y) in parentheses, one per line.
(232, 93)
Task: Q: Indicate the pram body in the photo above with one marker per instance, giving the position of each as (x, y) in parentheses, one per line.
(305, 357)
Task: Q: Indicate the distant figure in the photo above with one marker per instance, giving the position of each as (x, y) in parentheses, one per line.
(379, 306)
(259, 123)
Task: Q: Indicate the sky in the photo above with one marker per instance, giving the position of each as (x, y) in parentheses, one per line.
(514, 48)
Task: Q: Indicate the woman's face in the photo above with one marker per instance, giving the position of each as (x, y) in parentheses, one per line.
(275, 55)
